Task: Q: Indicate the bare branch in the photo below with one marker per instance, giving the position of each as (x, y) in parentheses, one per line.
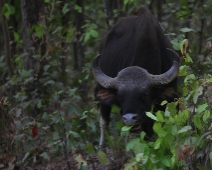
(106, 14)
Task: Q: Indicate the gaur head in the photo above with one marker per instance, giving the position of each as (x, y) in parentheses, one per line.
(133, 87)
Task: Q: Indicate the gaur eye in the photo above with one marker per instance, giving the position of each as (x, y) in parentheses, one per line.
(143, 96)
(146, 94)
(120, 98)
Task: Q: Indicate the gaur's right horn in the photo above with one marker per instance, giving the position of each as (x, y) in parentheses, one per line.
(170, 75)
(104, 80)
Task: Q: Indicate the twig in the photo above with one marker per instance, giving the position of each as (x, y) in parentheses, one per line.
(91, 19)
(106, 14)
(201, 32)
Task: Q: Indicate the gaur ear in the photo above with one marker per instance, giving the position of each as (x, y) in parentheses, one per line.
(169, 93)
(105, 96)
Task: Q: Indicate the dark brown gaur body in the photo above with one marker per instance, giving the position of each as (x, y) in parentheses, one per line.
(135, 70)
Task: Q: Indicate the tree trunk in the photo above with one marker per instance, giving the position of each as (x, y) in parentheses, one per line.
(79, 47)
(64, 20)
(31, 12)
(7, 48)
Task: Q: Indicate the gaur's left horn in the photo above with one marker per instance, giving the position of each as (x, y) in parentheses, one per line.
(104, 80)
(170, 75)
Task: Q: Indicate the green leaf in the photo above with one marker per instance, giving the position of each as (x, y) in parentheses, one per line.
(16, 36)
(94, 33)
(81, 160)
(130, 165)
(25, 104)
(150, 115)
(164, 102)
(203, 135)
(206, 115)
(45, 116)
(69, 35)
(65, 9)
(89, 149)
(170, 109)
(34, 159)
(158, 143)
(7, 10)
(18, 125)
(202, 107)
(185, 129)
(173, 161)
(39, 104)
(56, 136)
(25, 156)
(126, 1)
(183, 70)
(188, 59)
(176, 44)
(159, 116)
(197, 93)
(182, 44)
(157, 127)
(166, 161)
(126, 128)
(132, 143)
(184, 114)
(115, 109)
(46, 67)
(139, 156)
(188, 78)
(209, 39)
(73, 134)
(87, 37)
(57, 29)
(186, 29)
(102, 157)
(84, 167)
(45, 155)
(26, 73)
(49, 82)
(174, 130)
(197, 121)
(142, 135)
(39, 31)
(78, 8)
(18, 112)
(139, 147)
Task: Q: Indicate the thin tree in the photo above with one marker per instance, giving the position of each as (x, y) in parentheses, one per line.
(7, 48)
(33, 13)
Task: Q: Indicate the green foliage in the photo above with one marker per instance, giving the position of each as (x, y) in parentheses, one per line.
(8, 10)
(102, 157)
(178, 135)
(43, 113)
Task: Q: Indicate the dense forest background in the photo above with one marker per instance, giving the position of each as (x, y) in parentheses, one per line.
(48, 116)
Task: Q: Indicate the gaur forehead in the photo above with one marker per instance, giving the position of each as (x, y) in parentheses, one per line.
(135, 78)
(133, 90)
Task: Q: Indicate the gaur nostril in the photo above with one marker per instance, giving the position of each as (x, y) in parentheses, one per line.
(134, 117)
(130, 118)
(124, 118)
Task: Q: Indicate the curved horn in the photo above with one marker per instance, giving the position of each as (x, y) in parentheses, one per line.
(170, 75)
(104, 80)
